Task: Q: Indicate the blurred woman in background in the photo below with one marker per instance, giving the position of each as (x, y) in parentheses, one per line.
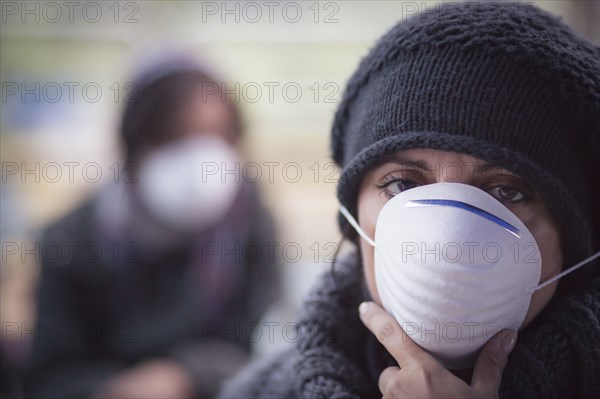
(158, 293)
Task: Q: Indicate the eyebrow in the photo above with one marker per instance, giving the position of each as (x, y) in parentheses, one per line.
(403, 160)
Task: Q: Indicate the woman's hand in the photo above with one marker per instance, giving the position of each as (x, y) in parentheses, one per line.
(420, 375)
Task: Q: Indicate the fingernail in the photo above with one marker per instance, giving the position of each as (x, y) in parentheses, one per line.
(362, 308)
(507, 343)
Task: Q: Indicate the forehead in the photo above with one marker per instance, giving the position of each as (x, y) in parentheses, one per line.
(432, 160)
(448, 165)
(430, 157)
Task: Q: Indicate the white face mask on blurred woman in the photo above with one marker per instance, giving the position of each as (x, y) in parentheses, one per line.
(190, 184)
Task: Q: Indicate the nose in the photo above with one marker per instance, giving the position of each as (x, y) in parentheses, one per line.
(454, 169)
(466, 207)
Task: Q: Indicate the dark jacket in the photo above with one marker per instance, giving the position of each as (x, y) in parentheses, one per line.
(556, 356)
(105, 306)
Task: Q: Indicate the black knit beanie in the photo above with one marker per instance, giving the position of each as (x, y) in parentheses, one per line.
(504, 82)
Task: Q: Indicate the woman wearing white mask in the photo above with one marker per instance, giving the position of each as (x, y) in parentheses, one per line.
(161, 310)
(469, 140)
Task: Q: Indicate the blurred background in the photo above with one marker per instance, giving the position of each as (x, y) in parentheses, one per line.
(66, 70)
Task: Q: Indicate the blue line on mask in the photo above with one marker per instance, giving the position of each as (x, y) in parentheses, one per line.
(467, 207)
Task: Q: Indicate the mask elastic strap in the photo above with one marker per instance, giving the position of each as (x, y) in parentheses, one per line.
(564, 273)
(354, 224)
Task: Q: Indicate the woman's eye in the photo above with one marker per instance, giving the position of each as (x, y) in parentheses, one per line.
(508, 194)
(397, 186)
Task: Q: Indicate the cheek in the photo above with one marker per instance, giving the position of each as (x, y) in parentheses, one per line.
(369, 206)
(368, 261)
(539, 300)
(548, 239)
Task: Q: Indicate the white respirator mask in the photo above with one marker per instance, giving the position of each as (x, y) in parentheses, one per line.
(190, 184)
(454, 267)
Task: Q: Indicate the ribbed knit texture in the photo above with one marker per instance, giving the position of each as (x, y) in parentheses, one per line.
(504, 82)
(557, 356)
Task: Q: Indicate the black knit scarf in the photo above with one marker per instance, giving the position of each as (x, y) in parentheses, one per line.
(556, 356)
